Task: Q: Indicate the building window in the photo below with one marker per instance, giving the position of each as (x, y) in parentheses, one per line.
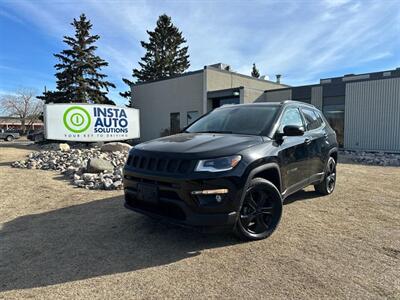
(192, 116)
(175, 123)
(335, 116)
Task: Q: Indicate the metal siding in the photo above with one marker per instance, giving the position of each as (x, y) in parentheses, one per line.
(316, 96)
(372, 115)
(277, 95)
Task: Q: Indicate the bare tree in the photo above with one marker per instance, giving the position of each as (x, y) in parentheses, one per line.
(24, 105)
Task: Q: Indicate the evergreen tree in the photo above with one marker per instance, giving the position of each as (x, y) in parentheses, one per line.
(127, 94)
(254, 72)
(78, 77)
(165, 56)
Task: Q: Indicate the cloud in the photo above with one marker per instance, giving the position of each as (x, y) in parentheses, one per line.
(10, 16)
(303, 40)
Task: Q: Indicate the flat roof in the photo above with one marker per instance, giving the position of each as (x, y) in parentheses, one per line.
(214, 69)
(394, 73)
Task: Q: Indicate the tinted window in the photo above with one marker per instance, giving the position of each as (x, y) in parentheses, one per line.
(291, 116)
(319, 117)
(312, 120)
(237, 119)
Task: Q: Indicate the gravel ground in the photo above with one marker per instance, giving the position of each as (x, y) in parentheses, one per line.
(58, 241)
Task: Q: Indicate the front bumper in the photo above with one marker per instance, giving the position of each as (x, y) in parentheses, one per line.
(176, 204)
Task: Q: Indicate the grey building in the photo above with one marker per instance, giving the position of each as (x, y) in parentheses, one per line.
(170, 104)
(364, 109)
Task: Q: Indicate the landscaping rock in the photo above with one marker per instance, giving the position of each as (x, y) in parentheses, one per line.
(89, 176)
(56, 147)
(115, 146)
(98, 165)
(370, 158)
(64, 147)
(74, 163)
(108, 183)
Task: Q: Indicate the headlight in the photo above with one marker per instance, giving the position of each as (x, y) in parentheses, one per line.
(218, 164)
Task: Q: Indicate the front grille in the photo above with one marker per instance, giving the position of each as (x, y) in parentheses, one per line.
(160, 164)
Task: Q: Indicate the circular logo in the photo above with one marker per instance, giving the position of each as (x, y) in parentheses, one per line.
(76, 119)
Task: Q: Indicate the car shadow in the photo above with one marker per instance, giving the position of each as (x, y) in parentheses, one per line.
(91, 239)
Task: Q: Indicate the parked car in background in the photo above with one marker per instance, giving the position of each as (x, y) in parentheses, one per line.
(234, 167)
(8, 135)
(36, 136)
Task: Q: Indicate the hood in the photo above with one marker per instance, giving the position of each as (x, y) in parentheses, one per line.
(201, 144)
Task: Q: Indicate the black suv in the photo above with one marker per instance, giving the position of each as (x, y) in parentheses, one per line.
(233, 167)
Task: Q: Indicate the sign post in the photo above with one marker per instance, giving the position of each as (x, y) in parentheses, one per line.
(90, 122)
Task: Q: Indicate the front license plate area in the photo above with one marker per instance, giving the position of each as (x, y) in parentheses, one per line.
(147, 192)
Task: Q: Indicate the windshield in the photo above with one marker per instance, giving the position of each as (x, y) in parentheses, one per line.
(237, 119)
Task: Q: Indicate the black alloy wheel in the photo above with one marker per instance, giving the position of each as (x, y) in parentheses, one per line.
(327, 186)
(260, 212)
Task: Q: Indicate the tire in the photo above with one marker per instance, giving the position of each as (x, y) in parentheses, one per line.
(9, 138)
(260, 212)
(327, 185)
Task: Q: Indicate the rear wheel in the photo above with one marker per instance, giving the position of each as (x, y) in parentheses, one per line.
(261, 211)
(327, 186)
(9, 138)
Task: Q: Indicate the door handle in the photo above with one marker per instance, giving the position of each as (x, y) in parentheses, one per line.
(307, 141)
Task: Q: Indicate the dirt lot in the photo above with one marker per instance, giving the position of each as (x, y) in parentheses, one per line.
(58, 241)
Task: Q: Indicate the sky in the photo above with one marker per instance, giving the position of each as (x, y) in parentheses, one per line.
(302, 40)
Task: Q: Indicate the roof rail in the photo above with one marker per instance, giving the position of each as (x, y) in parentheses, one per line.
(295, 102)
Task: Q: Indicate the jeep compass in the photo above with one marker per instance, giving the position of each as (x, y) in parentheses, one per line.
(233, 167)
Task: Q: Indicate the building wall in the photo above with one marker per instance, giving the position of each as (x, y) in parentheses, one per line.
(252, 95)
(372, 115)
(316, 96)
(221, 79)
(156, 100)
(277, 95)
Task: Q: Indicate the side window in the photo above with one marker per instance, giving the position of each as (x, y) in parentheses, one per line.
(319, 117)
(312, 120)
(291, 116)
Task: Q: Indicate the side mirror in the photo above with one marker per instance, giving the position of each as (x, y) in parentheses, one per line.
(293, 130)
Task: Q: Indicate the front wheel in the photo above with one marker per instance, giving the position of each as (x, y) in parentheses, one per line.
(9, 138)
(261, 211)
(327, 186)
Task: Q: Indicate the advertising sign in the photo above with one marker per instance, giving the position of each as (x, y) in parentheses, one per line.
(90, 122)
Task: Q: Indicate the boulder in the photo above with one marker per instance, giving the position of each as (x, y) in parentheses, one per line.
(115, 146)
(63, 147)
(79, 183)
(117, 184)
(97, 165)
(89, 176)
(108, 183)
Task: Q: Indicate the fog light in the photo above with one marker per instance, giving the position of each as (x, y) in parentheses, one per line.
(210, 192)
